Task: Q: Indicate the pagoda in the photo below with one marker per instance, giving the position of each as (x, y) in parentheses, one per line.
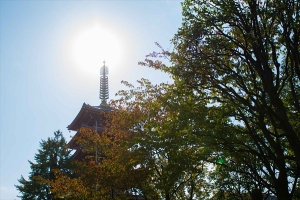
(91, 116)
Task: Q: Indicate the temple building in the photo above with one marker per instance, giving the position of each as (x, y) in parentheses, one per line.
(91, 116)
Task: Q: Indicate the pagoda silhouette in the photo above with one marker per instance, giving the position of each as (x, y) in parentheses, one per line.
(91, 116)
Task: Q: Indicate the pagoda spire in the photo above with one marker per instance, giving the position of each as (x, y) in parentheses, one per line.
(103, 95)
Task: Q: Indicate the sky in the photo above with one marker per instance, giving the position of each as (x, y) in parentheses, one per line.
(50, 56)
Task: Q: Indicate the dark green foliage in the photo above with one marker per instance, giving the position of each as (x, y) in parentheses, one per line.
(53, 154)
(245, 55)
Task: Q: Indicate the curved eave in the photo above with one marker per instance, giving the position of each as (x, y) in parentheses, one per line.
(85, 114)
(78, 155)
(72, 143)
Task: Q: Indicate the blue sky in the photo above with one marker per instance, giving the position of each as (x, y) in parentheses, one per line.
(42, 87)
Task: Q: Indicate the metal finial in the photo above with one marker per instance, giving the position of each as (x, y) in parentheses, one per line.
(103, 95)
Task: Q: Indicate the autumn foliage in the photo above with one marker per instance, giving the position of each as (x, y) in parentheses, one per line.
(226, 127)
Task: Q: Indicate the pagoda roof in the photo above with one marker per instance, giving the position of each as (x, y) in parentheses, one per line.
(78, 155)
(87, 116)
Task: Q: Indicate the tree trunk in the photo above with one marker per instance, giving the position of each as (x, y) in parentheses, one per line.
(256, 194)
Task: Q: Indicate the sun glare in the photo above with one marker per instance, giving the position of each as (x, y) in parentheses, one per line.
(92, 46)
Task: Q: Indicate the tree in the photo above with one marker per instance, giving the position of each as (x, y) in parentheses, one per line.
(53, 154)
(165, 133)
(245, 55)
(148, 148)
(109, 173)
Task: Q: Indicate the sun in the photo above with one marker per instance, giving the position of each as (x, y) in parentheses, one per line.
(90, 47)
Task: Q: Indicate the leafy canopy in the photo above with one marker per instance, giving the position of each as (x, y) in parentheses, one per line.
(52, 155)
